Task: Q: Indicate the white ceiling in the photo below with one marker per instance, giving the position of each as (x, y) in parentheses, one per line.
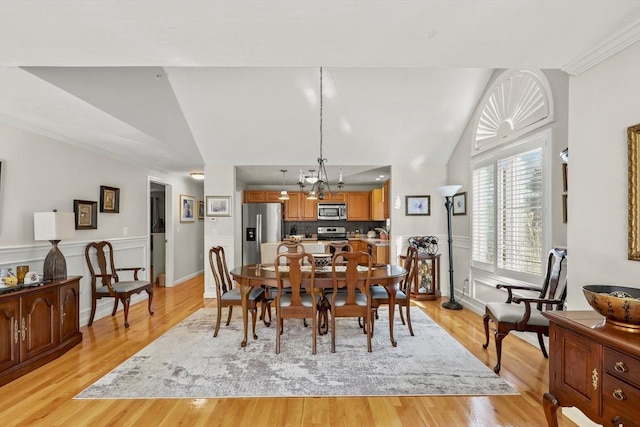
(175, 85)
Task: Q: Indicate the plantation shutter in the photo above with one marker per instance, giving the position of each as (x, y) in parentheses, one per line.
(519, 213)
(483, 219)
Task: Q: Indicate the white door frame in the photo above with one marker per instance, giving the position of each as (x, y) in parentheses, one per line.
(168, 227)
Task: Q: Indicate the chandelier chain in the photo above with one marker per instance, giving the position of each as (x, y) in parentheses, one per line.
(321, 158)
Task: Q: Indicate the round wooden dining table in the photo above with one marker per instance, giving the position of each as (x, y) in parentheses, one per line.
(256, 275)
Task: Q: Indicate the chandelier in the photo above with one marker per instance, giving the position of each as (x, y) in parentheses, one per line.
(319, 181)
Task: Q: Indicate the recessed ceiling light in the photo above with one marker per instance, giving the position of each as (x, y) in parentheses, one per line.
(197, 175)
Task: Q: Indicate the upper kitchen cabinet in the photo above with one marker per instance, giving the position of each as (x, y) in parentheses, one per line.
(260, 196)
(338, 197)
(298, 208)
(377, 204)
(358, 208)
(386, 199)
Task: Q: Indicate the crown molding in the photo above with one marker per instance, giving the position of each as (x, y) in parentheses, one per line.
(614, 44)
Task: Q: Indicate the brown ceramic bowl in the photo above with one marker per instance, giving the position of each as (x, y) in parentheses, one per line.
(619, 304)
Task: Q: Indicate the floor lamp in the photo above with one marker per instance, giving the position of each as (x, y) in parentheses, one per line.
(448, 191)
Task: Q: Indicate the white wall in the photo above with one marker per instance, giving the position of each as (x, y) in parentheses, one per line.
(41, 174)
(603, 102)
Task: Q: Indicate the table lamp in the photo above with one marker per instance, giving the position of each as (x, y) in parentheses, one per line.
(448, 191)
(53, 226)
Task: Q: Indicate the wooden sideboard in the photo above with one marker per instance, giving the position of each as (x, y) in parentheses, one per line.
(594, 367)
(37, 325)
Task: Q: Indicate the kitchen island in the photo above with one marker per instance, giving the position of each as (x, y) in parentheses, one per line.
(377, 248)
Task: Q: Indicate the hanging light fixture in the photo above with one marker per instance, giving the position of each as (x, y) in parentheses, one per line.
(283, 194)
(319, 182)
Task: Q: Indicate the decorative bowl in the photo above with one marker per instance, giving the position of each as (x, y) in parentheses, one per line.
(322, 260)
(619, 304)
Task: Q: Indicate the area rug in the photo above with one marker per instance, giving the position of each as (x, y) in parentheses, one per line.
(187, 362)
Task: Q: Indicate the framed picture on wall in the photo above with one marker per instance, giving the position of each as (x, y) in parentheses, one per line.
(200, 209)
(218, 206)
(187, 208)
(109, 199)
(460, 204)
(417, 205)
(86, 214)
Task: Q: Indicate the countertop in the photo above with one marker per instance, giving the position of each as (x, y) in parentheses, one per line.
(375, 242)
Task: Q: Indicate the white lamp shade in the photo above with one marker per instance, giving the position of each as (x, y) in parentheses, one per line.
(449, 190)
(53, 225)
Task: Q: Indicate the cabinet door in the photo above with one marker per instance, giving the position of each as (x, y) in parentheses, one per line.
(253, 196)
(39, 314)
(272, 197)
(377, 208)
(576, 371)
(9, 333)
(292, 207)
(69, 298)
(309, 209)
(386, 199)
(358, 206)
(339, 197)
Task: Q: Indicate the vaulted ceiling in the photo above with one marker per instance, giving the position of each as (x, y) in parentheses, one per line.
(175, 85)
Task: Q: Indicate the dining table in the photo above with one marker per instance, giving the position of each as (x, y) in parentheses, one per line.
(256, 275)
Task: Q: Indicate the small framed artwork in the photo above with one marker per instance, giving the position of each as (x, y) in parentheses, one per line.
(187, 208)
(109, 199)
(200, 209)
(460, 204)
(418, 205)
(86, 214)
(218, 205)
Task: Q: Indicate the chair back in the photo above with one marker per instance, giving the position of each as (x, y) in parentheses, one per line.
(411, 265)
(553, 287)
(288, 247)
(335, 247)
(295, 275)
(218, 263)
(350, 280)
(99, 257)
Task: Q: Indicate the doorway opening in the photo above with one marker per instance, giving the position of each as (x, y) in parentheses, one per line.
(160, 226)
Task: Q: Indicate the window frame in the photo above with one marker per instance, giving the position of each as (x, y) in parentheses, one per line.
(541, 139)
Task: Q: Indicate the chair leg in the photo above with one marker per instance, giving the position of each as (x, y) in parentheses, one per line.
(218, 319)
(314, 324)
(485, 320)
(125, 302)
(368, 325)
(401, 315)
(93, 311)
(373, 321)
(115, 307)
(542, 347)
(408, 308)
(150, 293)
(279, 329)
(230, 312)
(254, 312)
(265, 308)
(499, 337)
(333, 333)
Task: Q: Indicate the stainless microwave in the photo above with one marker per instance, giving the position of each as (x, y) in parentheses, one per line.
(332, 211)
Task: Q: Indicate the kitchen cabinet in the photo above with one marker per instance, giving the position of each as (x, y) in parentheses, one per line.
(377, 204)
(298, 208)
(37, 325)
(358, 206)
(359, 246)
(386, 199)
(260, 196)
(594, 367)
(338, 197)
(379, 253)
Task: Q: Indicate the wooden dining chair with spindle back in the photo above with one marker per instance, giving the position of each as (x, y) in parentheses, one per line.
(379, 295)
(293, 299)
(356, 301)
(228, 295)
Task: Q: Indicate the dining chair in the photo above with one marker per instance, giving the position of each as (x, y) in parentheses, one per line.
(525, 314)
(379, 295)
(356, 301)
(228, 295)
(105, 282)
(293, 299)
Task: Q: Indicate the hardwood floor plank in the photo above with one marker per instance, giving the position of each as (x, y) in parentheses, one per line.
(44, 397)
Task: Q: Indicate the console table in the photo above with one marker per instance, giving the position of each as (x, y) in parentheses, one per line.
(594, 367)
(37, 325)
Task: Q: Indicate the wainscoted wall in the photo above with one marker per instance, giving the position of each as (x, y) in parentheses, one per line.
(128, 252)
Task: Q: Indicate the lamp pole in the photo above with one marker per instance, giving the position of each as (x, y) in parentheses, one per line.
(448, 192)
(452, 304)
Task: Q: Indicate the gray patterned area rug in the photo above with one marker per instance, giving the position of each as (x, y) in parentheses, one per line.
(187, 362)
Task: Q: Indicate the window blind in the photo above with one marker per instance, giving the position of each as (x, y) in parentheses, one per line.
(483, 219)
(519, 212)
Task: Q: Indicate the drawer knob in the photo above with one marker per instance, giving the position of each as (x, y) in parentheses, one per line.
(619, 394)
(621, 367)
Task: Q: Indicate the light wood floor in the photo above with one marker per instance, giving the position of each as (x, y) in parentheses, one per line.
(44, 397)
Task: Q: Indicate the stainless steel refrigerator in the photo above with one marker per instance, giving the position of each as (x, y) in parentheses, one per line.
(261, 223)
